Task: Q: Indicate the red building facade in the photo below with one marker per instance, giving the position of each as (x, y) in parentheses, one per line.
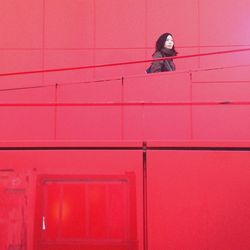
(112, 158)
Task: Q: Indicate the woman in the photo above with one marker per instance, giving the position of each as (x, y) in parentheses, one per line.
(164, 47)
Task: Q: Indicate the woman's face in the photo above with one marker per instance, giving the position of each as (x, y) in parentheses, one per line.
(169, 42)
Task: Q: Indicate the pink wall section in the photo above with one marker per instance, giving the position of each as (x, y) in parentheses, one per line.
(159, 119)
(85, 168)
(201, 203)
(94, 197)
(58, 34)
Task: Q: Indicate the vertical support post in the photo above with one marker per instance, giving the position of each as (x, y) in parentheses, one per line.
(145, 202)
(55, 110)
(191, 106)
(122, 108)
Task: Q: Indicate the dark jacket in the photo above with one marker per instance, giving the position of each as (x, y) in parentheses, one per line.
(161, 66)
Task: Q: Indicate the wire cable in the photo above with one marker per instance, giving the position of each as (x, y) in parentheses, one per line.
(122, 63)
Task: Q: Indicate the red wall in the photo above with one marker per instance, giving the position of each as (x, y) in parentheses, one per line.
(177, 196)
(124, 196)
(198, 199)
(212, 117)
(106, 185)
(54, 34)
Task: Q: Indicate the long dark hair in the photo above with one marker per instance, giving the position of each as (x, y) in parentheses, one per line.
(161, 42)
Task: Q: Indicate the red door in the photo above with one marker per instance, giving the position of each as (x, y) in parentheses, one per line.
(87, 213)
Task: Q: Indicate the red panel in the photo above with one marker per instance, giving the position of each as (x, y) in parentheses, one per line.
(221, 24)
(42, 94)
(20, 60)
(69, 24)
(224, 60)
(66, 59)
(91, 92)
(161, 87)
(24, 60)
(236, 74)
(221, 123)
(20, 27)
(87, 220)
(89, 123)
(167, 123)
(117, 21)
(181, 18)
(119, 55)
(25, 122)
(198, 200)
(210, 90)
